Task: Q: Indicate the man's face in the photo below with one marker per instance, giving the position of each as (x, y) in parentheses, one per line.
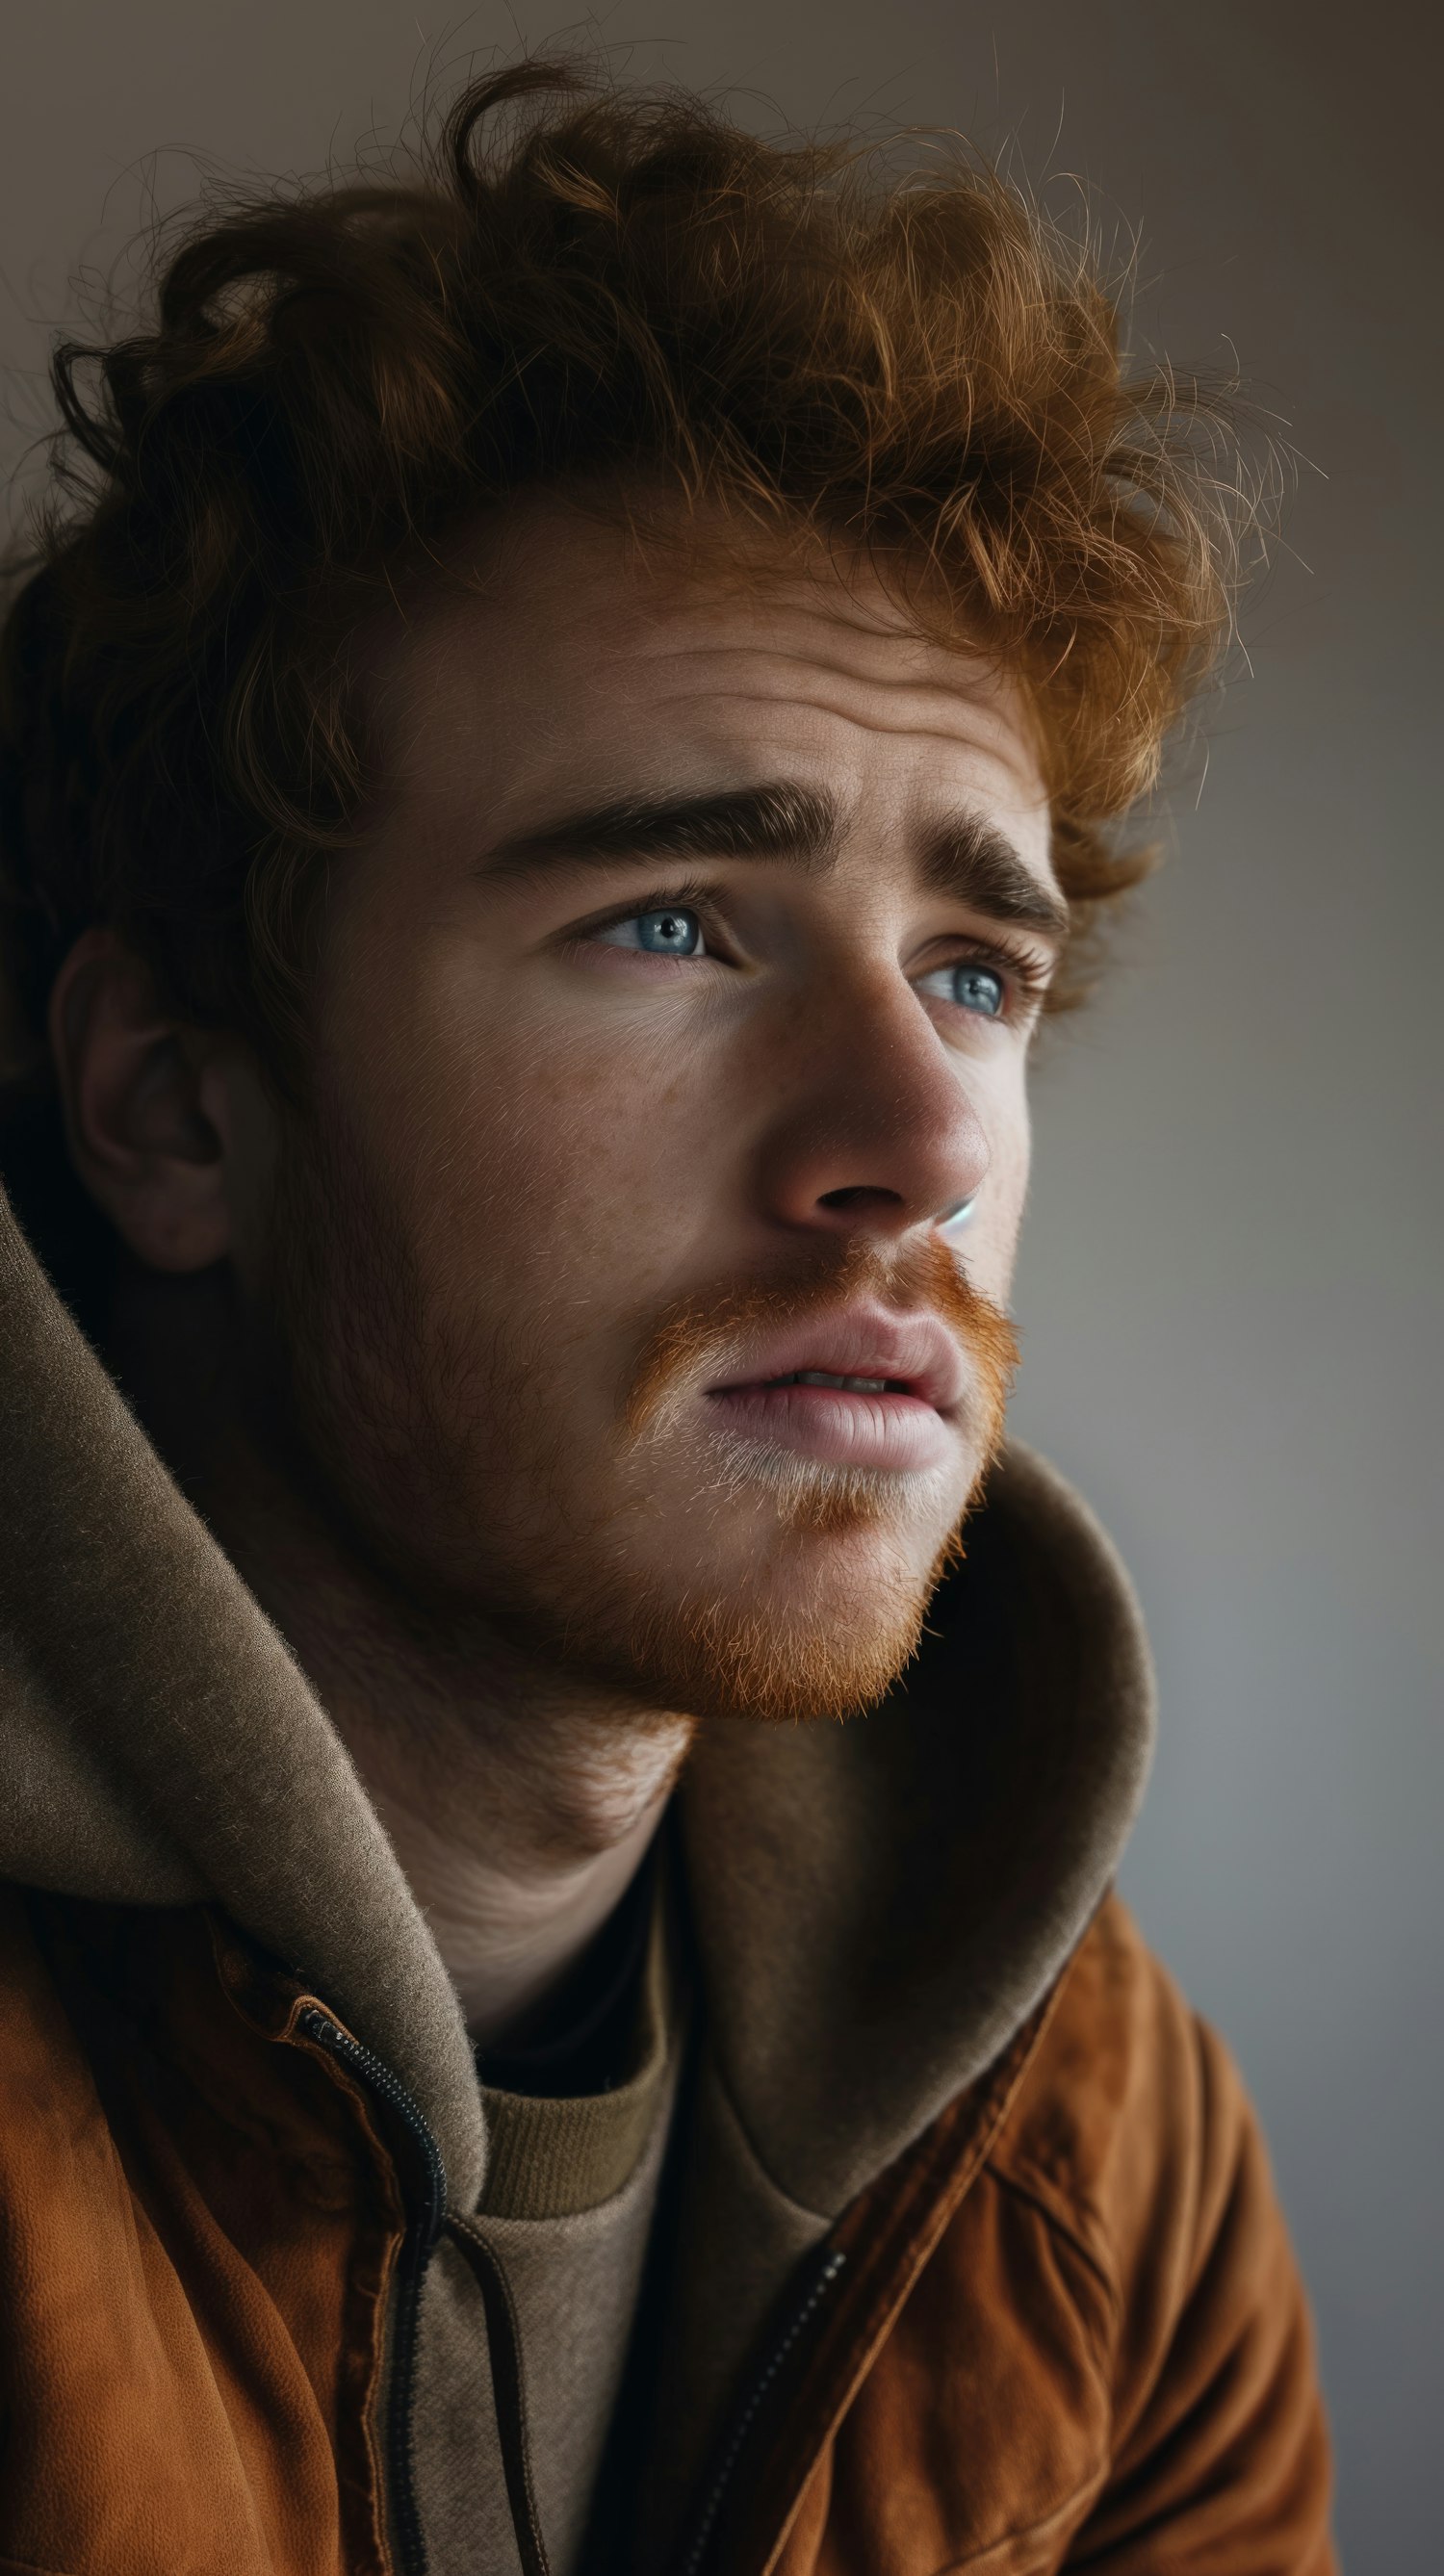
(683, 986)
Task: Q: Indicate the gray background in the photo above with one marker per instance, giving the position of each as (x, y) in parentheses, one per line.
(1233, 1235)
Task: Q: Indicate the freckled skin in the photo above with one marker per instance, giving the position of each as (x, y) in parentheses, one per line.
(568, 1135)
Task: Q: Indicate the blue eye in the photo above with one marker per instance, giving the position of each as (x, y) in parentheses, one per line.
(670, 934)
(977, 988)
(970, 986)
(671, 931)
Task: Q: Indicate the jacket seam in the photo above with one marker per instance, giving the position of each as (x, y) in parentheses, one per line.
(1039, 2198)
(1102, 2334)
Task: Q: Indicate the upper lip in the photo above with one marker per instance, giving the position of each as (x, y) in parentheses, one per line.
(916, 1349)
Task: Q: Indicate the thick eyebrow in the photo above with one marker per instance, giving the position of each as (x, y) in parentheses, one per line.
(966, 858)
(780, 821)
(971, 860)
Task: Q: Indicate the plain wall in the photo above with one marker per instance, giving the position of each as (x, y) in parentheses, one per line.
(1229, 1268)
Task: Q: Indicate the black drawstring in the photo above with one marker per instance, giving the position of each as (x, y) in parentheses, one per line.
(504, 2339)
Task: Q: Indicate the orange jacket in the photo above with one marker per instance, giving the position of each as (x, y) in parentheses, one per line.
(1064, 2329)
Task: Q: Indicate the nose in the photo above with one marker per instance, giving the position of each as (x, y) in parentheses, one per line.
(879, 1132)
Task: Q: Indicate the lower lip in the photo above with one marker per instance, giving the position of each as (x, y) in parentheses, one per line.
(832, 1423)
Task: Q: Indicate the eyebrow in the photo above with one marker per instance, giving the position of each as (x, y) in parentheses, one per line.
(969, 859)
(966, 857)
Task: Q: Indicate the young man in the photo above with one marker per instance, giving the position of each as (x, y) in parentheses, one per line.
(558, 748)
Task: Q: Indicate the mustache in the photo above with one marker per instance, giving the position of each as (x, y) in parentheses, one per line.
(695, 1335)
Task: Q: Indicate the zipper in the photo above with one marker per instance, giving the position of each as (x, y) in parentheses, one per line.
(818, 2282)
(423, 2228)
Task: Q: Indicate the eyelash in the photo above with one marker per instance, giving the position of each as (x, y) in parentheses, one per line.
(1024, 972)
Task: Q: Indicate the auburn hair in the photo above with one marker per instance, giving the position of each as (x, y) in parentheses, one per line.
(577, 286)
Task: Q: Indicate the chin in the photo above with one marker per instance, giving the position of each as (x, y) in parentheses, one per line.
(821, 1627)
(779, 1665)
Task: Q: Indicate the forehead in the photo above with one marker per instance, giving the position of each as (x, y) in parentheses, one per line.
(578, 661)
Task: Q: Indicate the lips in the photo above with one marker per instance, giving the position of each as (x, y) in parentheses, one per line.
(911, 1355)
(903, 1419)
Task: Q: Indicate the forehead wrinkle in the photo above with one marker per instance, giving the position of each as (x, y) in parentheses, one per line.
(895, 706)
(928, 731)
(820, 638)
(947, 739)
(976, 688)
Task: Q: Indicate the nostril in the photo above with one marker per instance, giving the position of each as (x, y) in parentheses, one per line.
(856, 1194)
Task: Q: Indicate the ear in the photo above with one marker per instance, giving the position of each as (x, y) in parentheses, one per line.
(151, 1109)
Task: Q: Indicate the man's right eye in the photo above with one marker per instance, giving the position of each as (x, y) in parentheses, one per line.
(671, 931)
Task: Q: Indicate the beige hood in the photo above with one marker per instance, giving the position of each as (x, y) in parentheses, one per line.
(878, 1905)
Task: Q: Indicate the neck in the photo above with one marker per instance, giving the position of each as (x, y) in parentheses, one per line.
(519, 1800)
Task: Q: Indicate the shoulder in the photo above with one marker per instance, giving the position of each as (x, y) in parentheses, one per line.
(1131, 2103)
(1122, 2148)
(1109, 2343)
(1124, 2234)
(1133, 2142)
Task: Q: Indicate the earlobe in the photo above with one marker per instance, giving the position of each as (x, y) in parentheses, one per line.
(131, 1084)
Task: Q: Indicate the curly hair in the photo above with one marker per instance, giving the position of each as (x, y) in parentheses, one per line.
(573, 286)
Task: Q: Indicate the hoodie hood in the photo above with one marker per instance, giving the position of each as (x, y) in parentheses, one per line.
(878, 1905)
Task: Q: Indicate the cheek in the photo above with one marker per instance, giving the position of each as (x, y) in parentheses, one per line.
(541, 1165)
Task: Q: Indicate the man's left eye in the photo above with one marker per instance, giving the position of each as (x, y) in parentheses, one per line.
(972, 988)
(674, 931)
